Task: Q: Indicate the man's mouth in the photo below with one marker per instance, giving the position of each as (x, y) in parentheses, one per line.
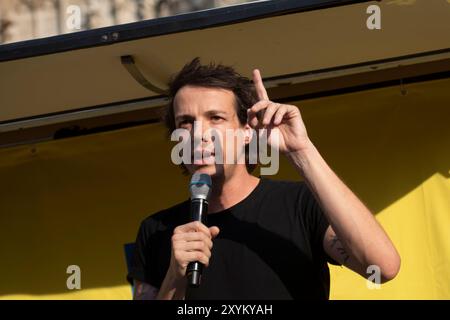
(203, 157)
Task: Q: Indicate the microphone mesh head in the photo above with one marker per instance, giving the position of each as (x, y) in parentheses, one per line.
(200, 186)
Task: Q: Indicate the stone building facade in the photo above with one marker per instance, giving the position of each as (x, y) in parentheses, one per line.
(30, 19)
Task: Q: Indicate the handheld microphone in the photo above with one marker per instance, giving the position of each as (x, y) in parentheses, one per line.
(200, 188)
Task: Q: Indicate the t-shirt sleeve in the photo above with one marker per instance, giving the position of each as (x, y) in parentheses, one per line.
(140, 267)
(316, 223)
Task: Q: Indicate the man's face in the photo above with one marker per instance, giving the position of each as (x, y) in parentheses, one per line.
(215, 109)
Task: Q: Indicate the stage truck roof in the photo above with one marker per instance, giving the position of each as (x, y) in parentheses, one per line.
(119, 74)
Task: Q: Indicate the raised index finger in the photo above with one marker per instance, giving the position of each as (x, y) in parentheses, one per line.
(260, 90)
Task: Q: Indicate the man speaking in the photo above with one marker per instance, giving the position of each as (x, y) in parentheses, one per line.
(261, 239)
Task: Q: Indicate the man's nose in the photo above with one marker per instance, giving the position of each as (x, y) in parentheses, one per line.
(201, 131)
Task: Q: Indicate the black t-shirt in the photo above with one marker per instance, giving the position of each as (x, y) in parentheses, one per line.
(269, 246)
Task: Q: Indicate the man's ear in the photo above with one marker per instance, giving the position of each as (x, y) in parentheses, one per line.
(248, 134)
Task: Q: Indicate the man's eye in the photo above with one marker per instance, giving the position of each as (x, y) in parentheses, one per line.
(216, 118)
(184, 122)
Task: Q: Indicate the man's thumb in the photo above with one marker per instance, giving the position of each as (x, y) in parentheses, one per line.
(214, 231)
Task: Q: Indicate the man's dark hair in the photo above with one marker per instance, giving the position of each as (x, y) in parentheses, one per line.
(213, 76)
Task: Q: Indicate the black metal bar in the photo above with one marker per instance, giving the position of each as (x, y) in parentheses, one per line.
(130, 65)
(162, 26)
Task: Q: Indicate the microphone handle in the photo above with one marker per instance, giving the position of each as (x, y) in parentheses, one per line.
(199, 210)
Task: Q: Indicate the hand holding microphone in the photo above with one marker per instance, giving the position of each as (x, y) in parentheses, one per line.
(192, 242)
